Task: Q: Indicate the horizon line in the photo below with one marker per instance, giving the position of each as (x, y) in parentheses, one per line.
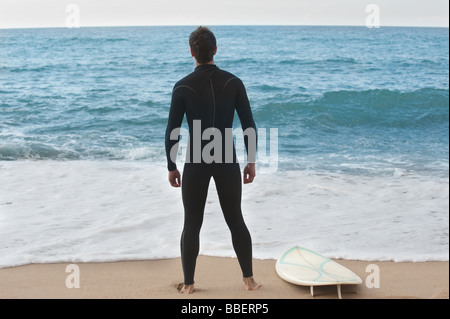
(226, 25)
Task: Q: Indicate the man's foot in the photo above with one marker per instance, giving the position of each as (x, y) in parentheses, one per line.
(185, 289)
(251, 284)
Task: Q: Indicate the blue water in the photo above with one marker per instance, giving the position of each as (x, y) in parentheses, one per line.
(363, 142)
(365, 101)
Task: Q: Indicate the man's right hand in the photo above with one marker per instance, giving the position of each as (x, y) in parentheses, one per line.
(175, 178)
(249, 173)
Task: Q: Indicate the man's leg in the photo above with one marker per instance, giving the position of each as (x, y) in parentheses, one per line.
(195, 184)
(229, 188)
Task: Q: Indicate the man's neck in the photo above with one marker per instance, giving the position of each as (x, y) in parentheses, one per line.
(197, 64)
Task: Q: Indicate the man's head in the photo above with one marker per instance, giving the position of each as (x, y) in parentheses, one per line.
(203, 45)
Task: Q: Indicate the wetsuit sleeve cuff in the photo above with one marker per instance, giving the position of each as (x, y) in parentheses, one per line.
(172, 167)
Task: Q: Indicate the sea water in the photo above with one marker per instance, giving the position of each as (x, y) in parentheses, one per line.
(359, 162)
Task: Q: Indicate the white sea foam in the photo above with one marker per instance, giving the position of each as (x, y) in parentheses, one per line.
(80, 211)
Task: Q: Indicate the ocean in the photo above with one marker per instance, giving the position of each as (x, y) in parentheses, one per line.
(355, 123)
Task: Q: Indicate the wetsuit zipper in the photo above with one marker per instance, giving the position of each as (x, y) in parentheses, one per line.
(214, 103)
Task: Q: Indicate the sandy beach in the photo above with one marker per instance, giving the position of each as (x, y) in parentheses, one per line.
(216, 278)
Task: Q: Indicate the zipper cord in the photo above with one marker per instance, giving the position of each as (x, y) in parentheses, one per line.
(214, 103)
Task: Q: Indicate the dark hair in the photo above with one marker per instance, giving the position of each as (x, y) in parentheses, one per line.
(203, 44)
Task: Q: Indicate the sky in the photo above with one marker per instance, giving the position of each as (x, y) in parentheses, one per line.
(61, 13)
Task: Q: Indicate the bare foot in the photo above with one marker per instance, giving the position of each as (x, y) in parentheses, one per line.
(251, 284)
(183, 289)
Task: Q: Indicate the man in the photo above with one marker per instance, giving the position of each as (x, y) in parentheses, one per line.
(209, 97)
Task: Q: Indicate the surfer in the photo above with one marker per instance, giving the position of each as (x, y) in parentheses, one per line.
(209, 97)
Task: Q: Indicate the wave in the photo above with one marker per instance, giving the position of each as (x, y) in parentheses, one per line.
(233, 62)
(101, 110)
(35, 151)
(381, 117)
(267, 88)
(421, 108)
(43, 151)
(36, 69)
(94, 40)
(337, 60)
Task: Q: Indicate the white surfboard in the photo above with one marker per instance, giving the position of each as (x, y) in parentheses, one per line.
(304, 267)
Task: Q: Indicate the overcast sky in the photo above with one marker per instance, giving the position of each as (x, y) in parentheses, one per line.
(52, 13)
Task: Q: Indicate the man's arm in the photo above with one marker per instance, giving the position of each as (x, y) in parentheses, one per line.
(250, 133)
(248, 124)
(172, 137)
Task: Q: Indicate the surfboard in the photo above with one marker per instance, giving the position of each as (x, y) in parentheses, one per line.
(304, 267)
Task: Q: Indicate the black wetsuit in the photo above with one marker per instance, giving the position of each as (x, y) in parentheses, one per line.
(212, 96)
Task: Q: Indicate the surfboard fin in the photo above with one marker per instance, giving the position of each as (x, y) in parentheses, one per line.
(338, 291)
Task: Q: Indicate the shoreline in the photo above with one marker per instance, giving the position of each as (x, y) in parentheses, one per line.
(216, 278)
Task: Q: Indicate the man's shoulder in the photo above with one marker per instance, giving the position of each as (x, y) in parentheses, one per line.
(184, 80)
(227, 74)
(185, 83)
(231, 79)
